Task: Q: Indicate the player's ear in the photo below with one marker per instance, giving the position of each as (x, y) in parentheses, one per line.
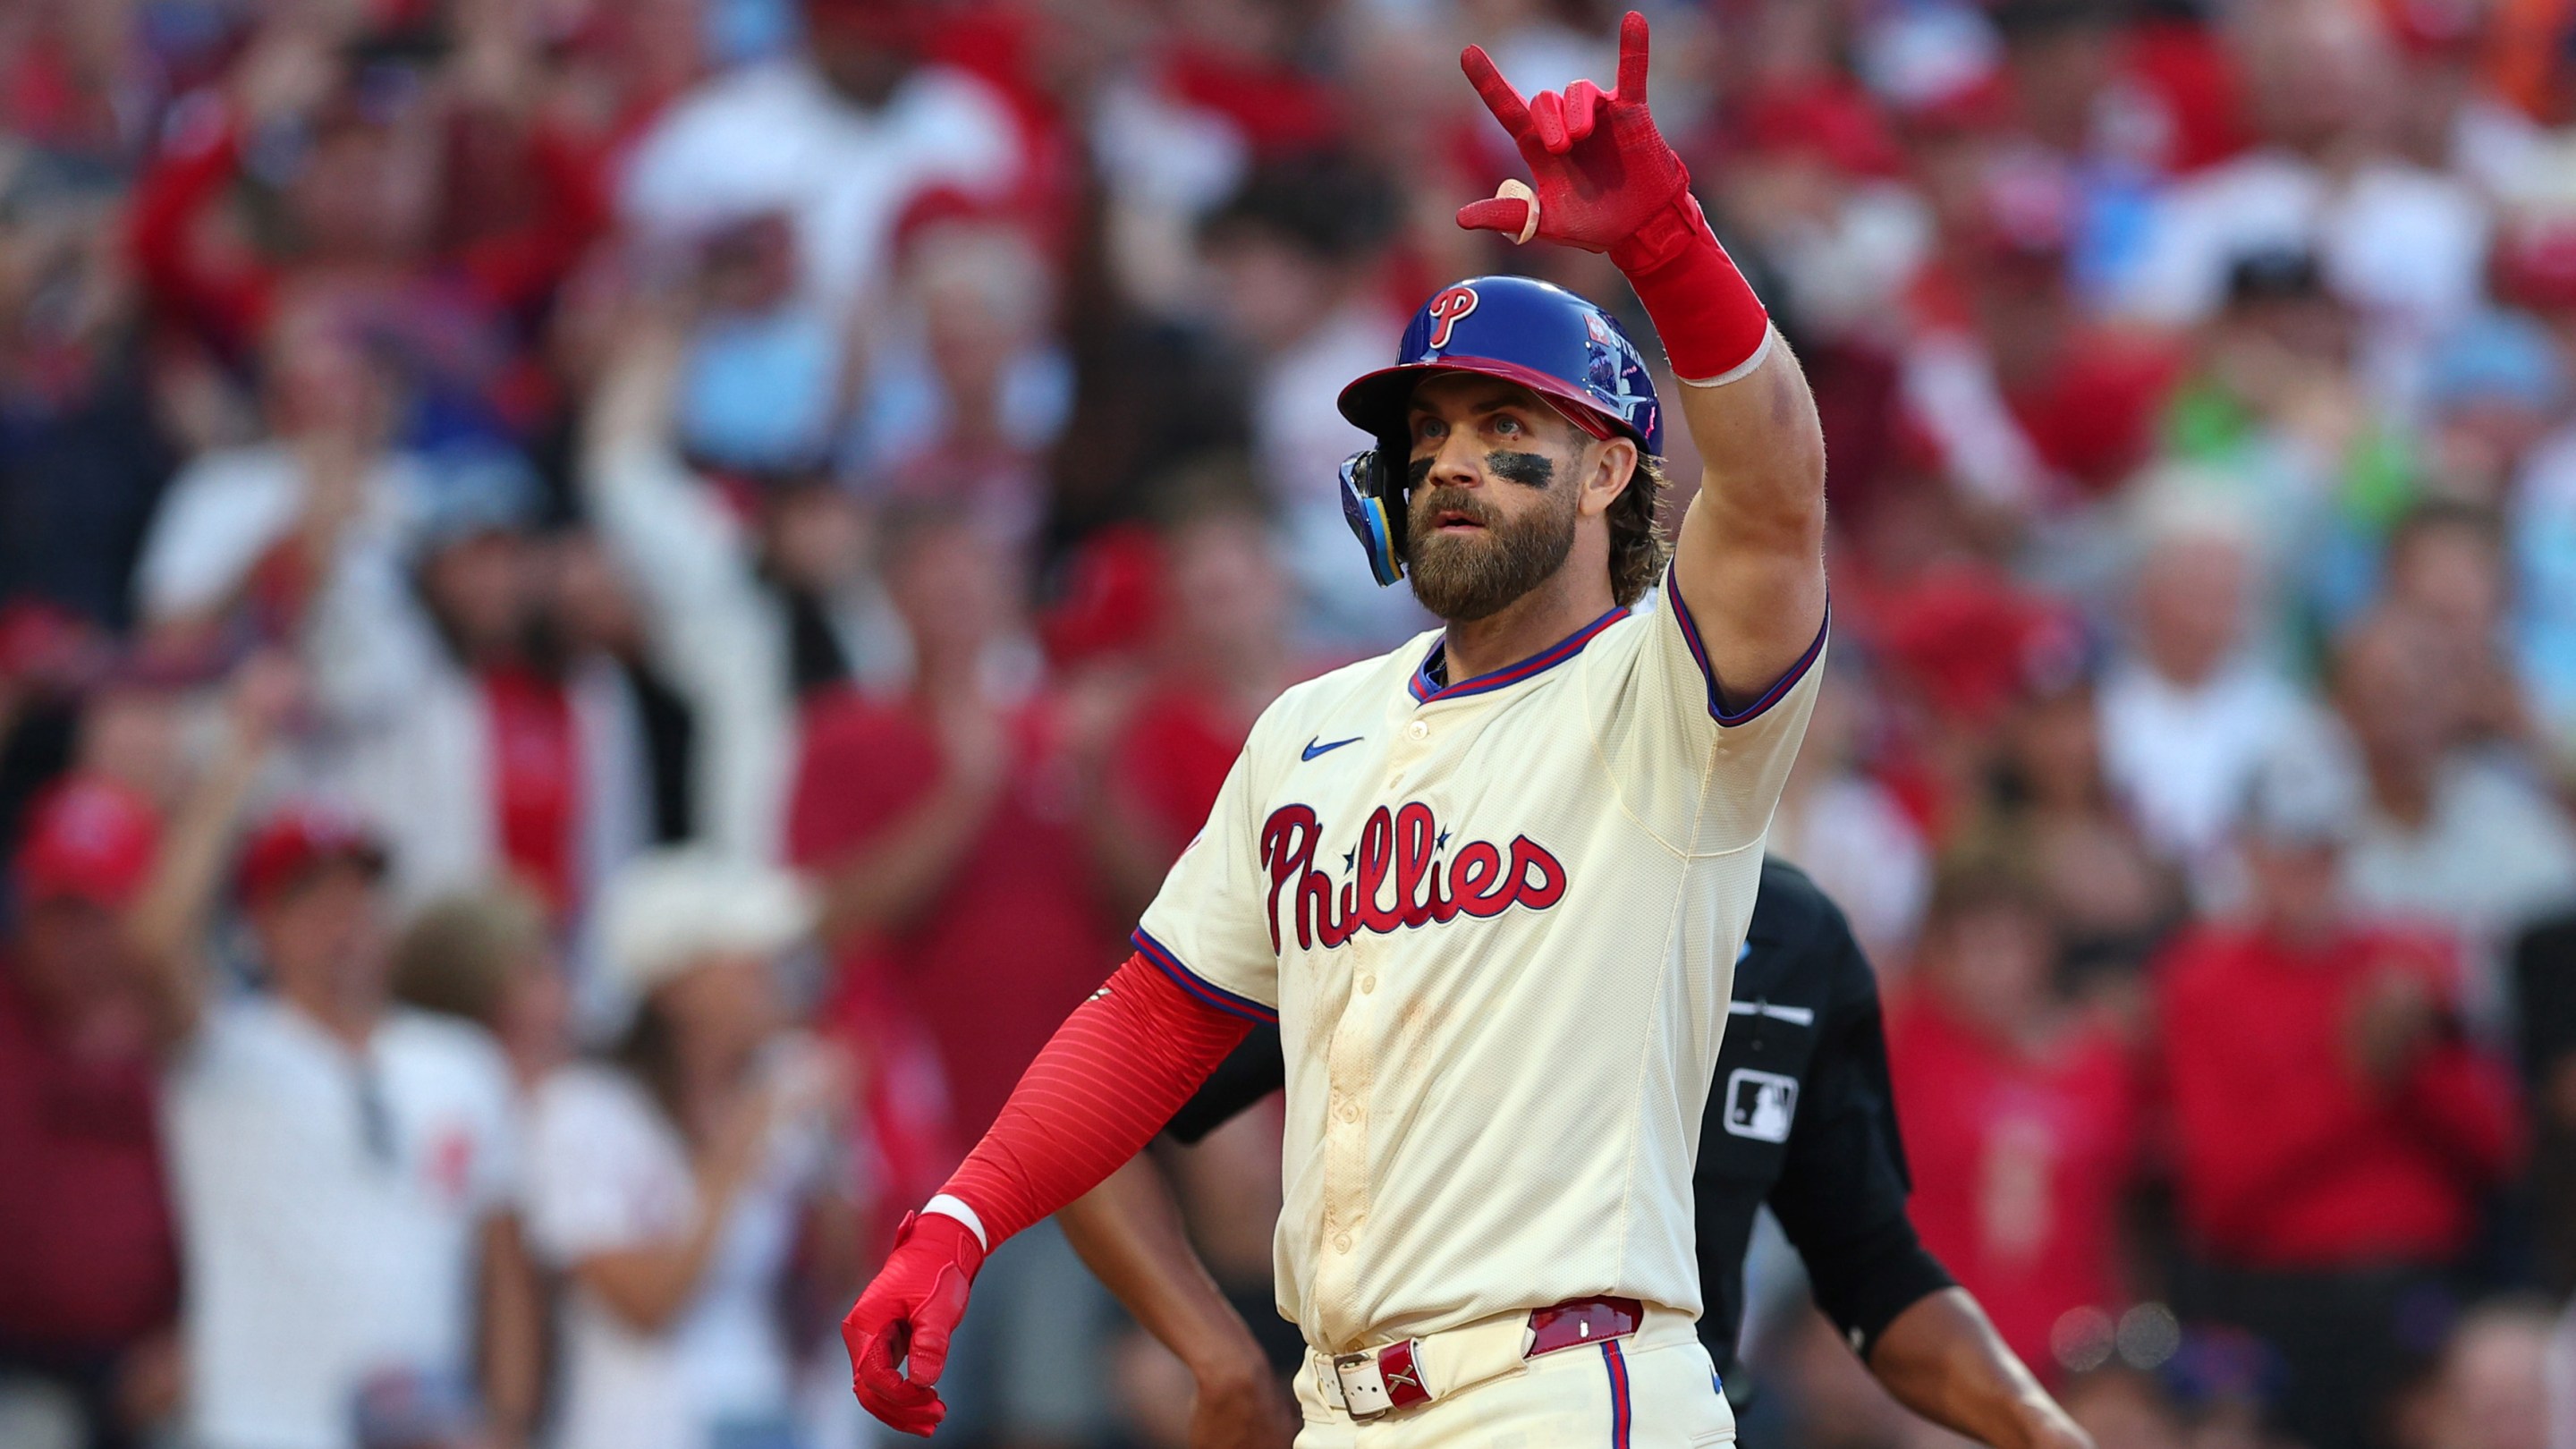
(1608, 465)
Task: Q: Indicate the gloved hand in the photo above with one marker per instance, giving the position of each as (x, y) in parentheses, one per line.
(1606, 180)
(906, 1315)
(1601, 170)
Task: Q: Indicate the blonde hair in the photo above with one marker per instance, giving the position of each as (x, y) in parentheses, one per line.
(457, 956)
(1638, 544)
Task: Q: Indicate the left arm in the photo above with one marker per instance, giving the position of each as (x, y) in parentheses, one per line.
(168, 923)
(1750, 559)
(1128, 1232)
(1942, 1359)
(513, 1336)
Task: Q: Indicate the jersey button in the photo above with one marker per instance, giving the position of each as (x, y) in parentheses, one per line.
(1367, 985)
(1350, 1110)
(1342, 1242)
(1419, 729)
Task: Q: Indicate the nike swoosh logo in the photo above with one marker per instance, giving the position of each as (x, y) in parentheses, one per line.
(1313, 748)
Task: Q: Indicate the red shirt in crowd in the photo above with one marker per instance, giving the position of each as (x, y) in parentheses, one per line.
(87, 1261)
(2092, 417)
(536, 781)
(206, 279)
(1014, 939)
(2019, 1161)
(2288, 1158)
(1172, 758)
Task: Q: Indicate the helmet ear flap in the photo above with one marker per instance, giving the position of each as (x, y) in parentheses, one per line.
(1373, 506)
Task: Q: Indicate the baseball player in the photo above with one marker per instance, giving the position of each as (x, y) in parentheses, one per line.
(1489, 886)
(1801, 1115)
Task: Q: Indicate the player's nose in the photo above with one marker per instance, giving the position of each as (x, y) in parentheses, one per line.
(1457, 463)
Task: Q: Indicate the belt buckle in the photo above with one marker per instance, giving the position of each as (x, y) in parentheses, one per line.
(1364, 1395)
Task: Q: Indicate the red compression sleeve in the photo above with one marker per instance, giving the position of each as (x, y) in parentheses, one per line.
(1711, 323)
(1105, 1083)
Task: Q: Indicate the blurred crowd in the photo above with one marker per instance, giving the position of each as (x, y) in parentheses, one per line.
(608, 608)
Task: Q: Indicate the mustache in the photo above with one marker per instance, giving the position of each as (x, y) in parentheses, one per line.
(1434, 501)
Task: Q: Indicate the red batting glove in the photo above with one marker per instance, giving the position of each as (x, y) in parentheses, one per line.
(1601, 170)
(1604, 179)
(906, 1316)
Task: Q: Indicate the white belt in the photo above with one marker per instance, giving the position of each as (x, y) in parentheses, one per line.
(1377, 1381)
(1365, 1384)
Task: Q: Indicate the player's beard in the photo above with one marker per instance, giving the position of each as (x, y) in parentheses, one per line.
(1468, 576)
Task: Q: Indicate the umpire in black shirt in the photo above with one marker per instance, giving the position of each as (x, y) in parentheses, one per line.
(1800, 1115)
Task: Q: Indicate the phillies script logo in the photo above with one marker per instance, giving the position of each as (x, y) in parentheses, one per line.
(1397, 878)
(1446, 309)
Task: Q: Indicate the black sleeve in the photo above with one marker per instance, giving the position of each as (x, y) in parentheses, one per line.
(1251, 1072)
(1842, 1188)
(2544, 968)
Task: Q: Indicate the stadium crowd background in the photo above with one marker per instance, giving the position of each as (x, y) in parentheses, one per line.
(481, 480)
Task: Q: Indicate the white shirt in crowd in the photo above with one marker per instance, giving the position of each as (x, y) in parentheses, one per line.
(406, 735)
(229, 507)
(329, 1203)
(408, 738)
(2406, 243)
(2183, 758)
(719, 635)
(777, 138)
(2495, 854)
(609, 1172)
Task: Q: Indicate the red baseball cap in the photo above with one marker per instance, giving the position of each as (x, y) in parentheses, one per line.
(2534, 262)
(1972, 641)
(891, 23)
(299, 837)
(1113, 596)
(88, 839)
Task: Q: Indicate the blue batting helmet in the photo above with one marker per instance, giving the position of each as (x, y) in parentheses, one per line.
(1545, 338)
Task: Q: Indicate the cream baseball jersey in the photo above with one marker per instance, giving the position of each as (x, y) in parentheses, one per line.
(1496, 921)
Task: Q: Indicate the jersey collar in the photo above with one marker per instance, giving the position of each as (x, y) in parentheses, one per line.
(1426, 683)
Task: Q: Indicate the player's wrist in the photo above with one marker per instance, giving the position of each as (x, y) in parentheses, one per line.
(948, 1205)
(1714, 328)
(1677, 227)
(1227, 1366)
(2039, 1423)
(949, 1230)
(1242, 1408)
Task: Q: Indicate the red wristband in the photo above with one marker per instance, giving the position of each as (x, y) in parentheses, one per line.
(1712, 325)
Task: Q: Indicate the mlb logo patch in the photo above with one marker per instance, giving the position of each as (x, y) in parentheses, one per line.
(1760, 1105)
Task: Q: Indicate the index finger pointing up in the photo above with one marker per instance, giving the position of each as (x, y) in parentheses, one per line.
(1500, 98)
(1632, 57)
